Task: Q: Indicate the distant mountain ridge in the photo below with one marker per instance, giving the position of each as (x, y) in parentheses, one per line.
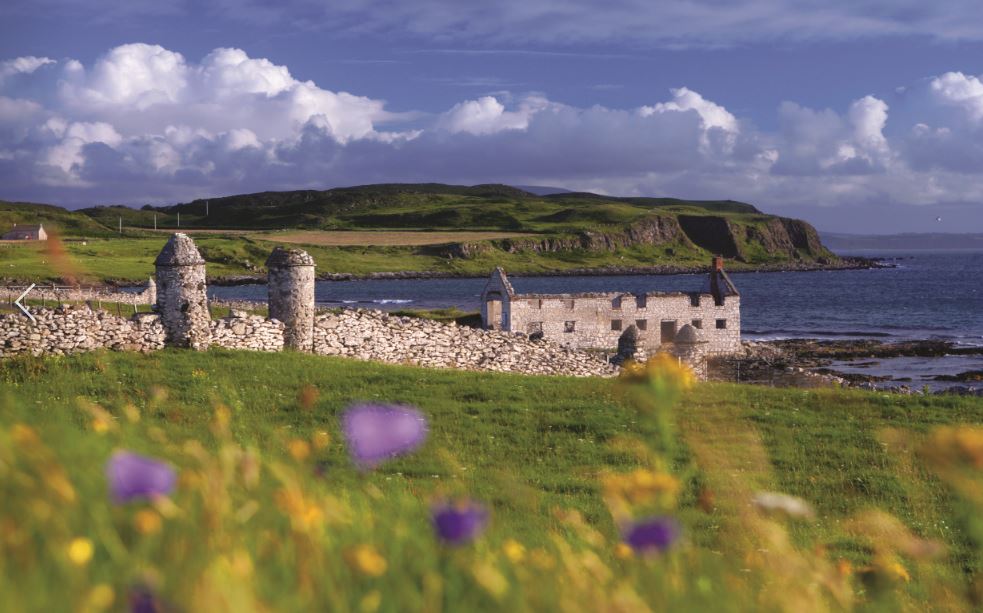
(921, 241)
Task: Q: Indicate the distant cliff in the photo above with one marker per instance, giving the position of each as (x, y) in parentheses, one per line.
(770, 239)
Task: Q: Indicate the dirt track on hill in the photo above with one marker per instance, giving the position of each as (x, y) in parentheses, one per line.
(343, 238)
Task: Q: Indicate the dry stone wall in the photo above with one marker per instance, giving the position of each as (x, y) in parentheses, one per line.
(182, 319)
(251, 332)
(375, 335)
(73, 329)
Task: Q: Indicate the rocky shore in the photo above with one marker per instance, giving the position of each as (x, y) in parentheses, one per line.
(810, 363)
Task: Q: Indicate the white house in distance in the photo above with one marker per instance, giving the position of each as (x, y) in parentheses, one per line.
(26, 233)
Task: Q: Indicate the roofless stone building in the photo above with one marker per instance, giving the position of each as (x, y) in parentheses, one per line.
(598, 320)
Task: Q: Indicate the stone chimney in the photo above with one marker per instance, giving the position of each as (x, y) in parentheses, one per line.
(291, 295)
(182, 301)
(716, 268)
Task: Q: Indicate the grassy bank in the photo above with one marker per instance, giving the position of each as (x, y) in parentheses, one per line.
(270, 513)
(130, 258)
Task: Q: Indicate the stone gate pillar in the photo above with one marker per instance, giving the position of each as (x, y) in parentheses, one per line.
(291, 295)
(181, 298)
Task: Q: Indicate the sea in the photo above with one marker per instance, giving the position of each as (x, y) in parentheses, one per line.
(916, 295)
(919, 295)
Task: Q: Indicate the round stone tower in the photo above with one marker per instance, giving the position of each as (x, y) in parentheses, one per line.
(181, 298)
(691, 350)
(291, 295)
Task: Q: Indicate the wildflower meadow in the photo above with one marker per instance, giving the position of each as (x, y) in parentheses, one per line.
(225, 481)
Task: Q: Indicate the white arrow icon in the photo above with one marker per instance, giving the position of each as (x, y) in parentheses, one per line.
(21, 306)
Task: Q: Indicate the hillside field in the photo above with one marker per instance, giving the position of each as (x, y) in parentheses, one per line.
(442, 229)
(270, 513)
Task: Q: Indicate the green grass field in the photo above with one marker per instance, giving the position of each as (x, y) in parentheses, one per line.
(130, 259)
(270, 513)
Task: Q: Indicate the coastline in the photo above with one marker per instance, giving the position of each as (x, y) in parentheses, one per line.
(805, 362)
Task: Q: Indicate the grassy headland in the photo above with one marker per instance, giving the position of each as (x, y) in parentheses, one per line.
(447, 230)
(270, 513)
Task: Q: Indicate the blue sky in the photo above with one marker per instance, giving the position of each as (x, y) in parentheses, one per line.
(860, 116)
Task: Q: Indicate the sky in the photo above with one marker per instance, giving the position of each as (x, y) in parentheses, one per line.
(860, 116)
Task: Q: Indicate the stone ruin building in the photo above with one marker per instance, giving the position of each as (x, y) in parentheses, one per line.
(690, 325)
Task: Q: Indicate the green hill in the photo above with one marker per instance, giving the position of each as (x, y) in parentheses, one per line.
(568, 222)
(53, 218)
(558, 232)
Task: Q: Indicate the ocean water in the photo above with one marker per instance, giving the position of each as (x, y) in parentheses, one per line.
(925, 295)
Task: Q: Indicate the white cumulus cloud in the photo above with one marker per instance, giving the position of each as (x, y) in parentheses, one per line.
(143, 123)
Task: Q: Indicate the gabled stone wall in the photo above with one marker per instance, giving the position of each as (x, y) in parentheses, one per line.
(596, 321)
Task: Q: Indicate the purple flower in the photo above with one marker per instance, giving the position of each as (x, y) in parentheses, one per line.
(133, 476)
(652, 534)
(459, 522)
(143, 600)
(376, 432)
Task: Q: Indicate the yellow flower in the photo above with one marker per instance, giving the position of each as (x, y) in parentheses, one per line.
(961, 445)
(304, 515)
(100, 426)
(100, 598)
(366, 560)
(542, 559)
(897, 571)
(80, 551)
(660, 371)
(221, 420)
(370, 602)
(147, 521)
(321, 440)
(24, 435)
(514, 550)
(641, 486)
(55, 478)
(844, 568)
(623, 551)
(491, 579)
(241, 563)
(299, 449)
